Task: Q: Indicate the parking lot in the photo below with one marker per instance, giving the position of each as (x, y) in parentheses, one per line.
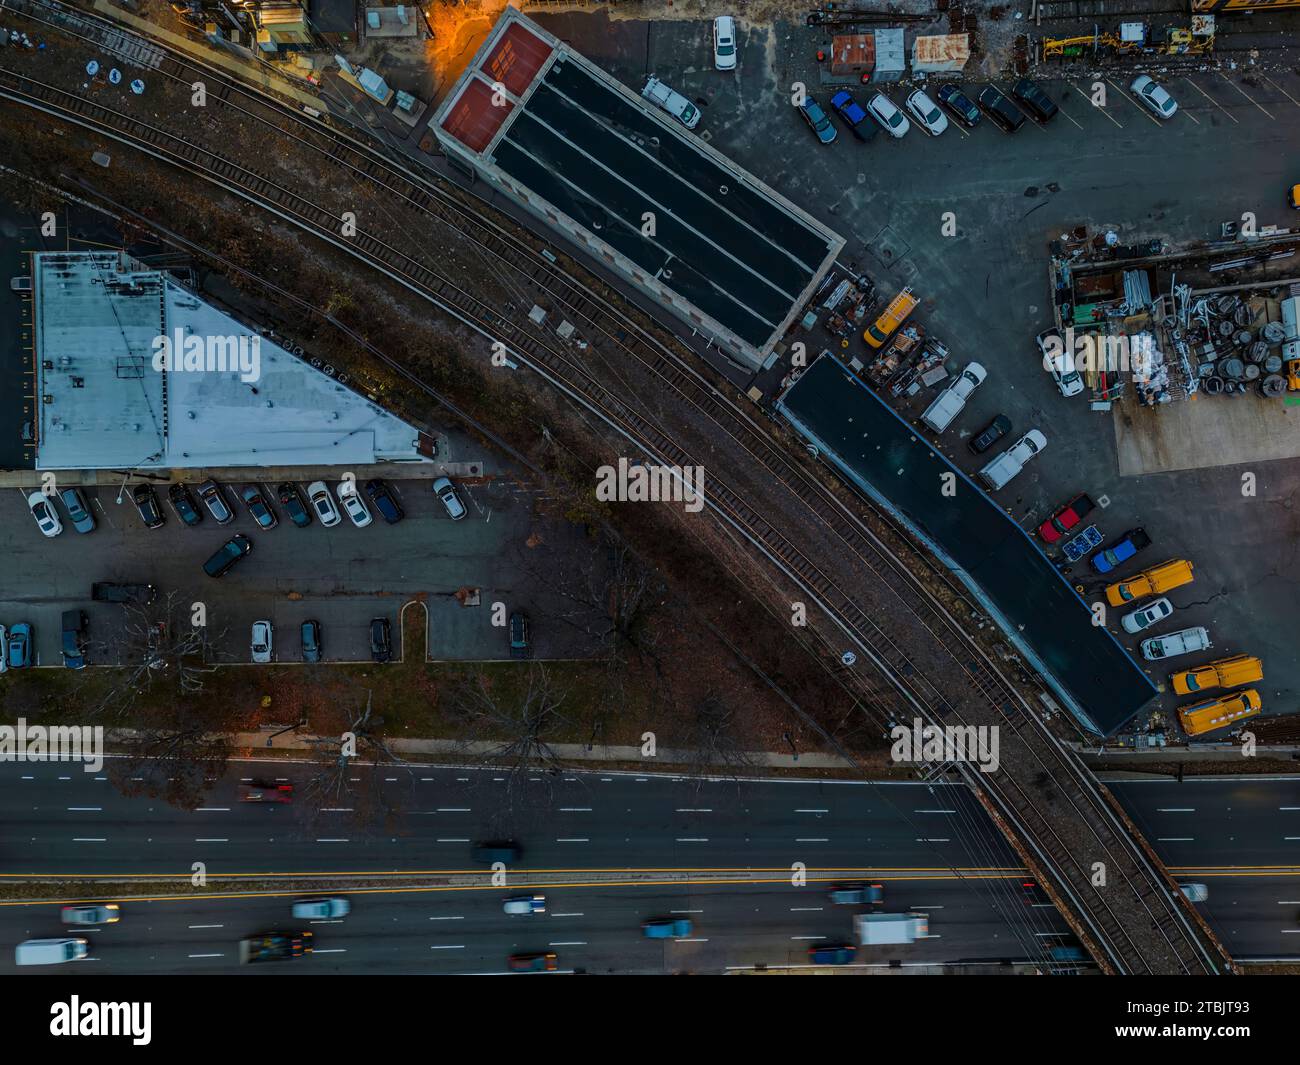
(341, 576)
(1233, 146)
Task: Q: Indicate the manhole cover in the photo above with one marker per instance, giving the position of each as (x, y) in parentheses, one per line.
(887, 247)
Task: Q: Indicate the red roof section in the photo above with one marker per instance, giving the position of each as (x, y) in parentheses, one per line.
(474, 118)
(516, 59)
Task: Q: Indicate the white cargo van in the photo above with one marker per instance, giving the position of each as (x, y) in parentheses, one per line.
(50, 951)
(672, 101)
(949, 403)
(998, 472)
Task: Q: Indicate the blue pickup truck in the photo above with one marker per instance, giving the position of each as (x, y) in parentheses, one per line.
(852, 115)
(1115, 554)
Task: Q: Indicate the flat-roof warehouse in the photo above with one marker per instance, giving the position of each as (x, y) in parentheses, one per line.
(703, 238)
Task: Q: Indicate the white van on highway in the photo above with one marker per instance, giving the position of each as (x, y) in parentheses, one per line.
(50, 951)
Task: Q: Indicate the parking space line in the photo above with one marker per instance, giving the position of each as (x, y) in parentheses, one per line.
(1069, 116)
(1094, 106)
(1145, 112)
(1244, 93)
(1210, 98)
(1280, 89)
(1184, 111)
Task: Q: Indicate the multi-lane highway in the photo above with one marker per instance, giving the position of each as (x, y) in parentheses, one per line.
(929, 846)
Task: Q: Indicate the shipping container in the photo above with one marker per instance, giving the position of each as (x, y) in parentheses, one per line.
(945, 54)
(891, 56)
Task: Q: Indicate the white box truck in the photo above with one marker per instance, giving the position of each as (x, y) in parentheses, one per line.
(998, 472)
(874, 928)
(50, 951)
(949, 403)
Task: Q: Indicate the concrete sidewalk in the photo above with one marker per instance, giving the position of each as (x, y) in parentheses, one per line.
(470, 472)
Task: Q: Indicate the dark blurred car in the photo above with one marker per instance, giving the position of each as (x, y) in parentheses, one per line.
(1039, 105)
(858, 894)
(178, 495)
(990, 434)
(259, 507)
(959, 105)
(274, 946)
(75, 624)
(385, 502)
(532, 963)
(832, 953)
(311, 645)
(1005, 115)
(521, 635)
(214, 498)
(146, 502)
(381, 643)
(227, 555)
(259, 790)
(1034, 894)
(490, 851)
(291, 499)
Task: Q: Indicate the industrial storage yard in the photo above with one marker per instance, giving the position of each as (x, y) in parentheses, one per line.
(953, 352)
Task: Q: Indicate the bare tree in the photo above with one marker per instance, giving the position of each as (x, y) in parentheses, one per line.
(512, 734)
(714, 738)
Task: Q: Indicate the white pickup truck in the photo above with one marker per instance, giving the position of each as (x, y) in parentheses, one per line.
(949, 403)
(998, 472)
(1171, 644)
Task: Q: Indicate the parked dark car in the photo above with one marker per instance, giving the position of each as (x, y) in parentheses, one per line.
(1035, 99)
(817, 120)
(990, 434)
(178, 495)
(311, 645)
(381, 640)
(521, 635)
(1005, 115)
(1115, 554)
(214, 498)
(227, 555)
(853, 116)
(146, 502)
(959, 105)
(75, 624)
(78, 510)
(258, 506)
(291, 499)
(111, 592)
(385, 502)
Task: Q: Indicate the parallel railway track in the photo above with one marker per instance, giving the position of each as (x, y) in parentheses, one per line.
(974, 691)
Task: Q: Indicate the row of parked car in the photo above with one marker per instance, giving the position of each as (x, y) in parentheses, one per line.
(1030, 99)
(214, 500)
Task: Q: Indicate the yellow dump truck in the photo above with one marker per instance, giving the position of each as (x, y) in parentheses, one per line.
(1219, 713)
(1225, 673)
(1161, 578)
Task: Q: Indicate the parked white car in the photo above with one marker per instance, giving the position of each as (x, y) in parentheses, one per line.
(672, 101)
(1008, 464)
(322, 502)
(884, 111)
(1146, 616)
(1173, 644)
(1154, 96)
(321, 909)
(47, 518)
(262, 643)
(926, 113)
(1059, 363)
(354, 505)
(724, 42)
(446, 491)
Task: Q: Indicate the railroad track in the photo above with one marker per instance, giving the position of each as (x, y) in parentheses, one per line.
(1108, 922)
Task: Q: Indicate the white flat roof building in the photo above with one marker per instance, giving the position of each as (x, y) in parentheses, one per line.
(107, 398)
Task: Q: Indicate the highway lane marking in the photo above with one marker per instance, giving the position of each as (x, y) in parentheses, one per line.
(1285, 903)
(807, 937)
(330, 950)
(211, 810)
(327, 840)
(453, 809)
(1289, 807)
(930, 908)
(568, 943)
(1280, 89)
(573, 839)
(27, 778)
(690, 940)
(207, 926)
(568, 915)
(1290, 838)
(205, 955)
(923, 840)
(1174, 839)
(85, 809)
(454, 946)
(821, 839)
(691, 839)
(575, 809)
(446, 918)
(685, 911)
(1176, 809)
(451, 841)
(799, 811)
(64, 778)
(1211, 99)
(806, 909)
(694, 810)
(88, 839)
(936, 811)
(1094, 106)
(1244, 93)
(337, 810)
(212, 841)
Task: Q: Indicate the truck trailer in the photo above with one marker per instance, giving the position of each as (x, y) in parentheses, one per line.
(876, 928)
